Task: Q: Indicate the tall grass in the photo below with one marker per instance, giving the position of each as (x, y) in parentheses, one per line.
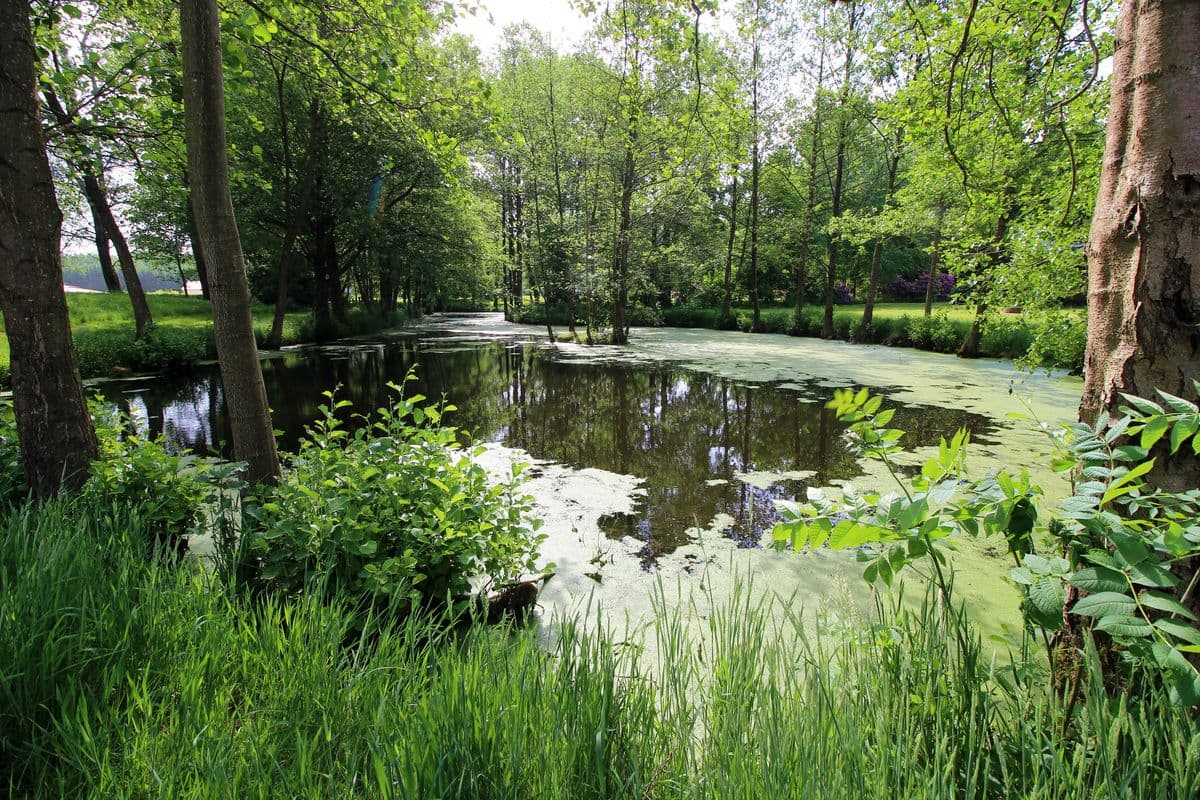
(121, 677)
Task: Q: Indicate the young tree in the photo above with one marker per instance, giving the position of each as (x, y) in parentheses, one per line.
(56, 436)
(204, 109)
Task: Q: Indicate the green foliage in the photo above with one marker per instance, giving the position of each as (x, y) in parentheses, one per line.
(1116, 538)
(394, 512)
(12, 475)
(127, 678)
(175, 495)
(937, 332)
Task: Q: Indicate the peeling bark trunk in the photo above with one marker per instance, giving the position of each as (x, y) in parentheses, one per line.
(204, 113)
(1144, 249)
(57, 440)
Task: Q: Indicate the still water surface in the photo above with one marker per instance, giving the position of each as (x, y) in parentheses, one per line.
(704, 445)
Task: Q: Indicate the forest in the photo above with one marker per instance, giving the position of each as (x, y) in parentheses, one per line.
(739, 396)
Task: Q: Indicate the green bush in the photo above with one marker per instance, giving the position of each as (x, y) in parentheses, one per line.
(1005, 337)
(102, 351)
(174, 494)
(12, 475)
(1058, 341)
(937, 332)
(166, 349)
(395, 512)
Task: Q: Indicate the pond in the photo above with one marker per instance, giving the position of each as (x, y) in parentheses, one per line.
(657, 460)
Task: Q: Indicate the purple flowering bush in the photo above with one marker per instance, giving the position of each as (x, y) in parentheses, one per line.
(913, 289)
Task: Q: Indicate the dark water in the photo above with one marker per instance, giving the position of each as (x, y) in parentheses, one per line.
(677, 430)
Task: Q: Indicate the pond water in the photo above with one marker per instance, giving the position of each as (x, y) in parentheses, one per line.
(659, 458)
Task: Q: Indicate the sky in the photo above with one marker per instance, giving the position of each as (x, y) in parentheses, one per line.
(554, 17)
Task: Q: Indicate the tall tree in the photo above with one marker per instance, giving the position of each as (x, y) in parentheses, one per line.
(56, 435)
(208, 168)
(1144, 250)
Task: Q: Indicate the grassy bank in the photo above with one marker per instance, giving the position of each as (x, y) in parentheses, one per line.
(128, 678)
(102, 327)
(1048, 340)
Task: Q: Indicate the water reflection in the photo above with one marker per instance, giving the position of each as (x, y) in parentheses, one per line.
(692, 437)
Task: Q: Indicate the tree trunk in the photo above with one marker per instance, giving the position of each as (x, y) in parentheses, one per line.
(831, 270)
(204, 112)
(756, 325)
(299, 213)
(864, 327)
(111, 282)
(727, 288)
(621, 253)
(133, 284)
(935, 268)
(1144, 250)
(57, 441)
(197, 249)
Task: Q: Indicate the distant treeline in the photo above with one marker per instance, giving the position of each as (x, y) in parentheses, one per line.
(83, 270)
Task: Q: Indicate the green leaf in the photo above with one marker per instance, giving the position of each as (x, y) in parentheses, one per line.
(1046, 598)
(1099, 579)
(1104, 603)
(1164, 602)
(1154, 430)
(1180, 630)
(1124, 625)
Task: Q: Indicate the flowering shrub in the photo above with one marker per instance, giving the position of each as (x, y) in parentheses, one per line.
(913, 290)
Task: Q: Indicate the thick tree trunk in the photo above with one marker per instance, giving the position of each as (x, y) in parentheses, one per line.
(1144, 250)
(133, 284)
(204, 109)
(111, 282)
(57, 440)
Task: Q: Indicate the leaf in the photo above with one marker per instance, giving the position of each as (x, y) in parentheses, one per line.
(1123, 625)
(1103, 604)
(1177, 404)
(1180, 630)
(1099, 579)
(1046, 598)
(1164, 602)
(1154, 430)
(1128, 478)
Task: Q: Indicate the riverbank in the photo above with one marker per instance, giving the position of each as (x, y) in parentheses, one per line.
(1051, 340)
(102, 327)
(125, 677)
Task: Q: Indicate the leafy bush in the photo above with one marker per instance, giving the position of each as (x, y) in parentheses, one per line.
(12, 475)
(102, 351)
(1058, 341)
(914, 290)
(167, 349)
(175, 494)
(1116, 539)
(394, 512)
(1005, 337)
(937, 332)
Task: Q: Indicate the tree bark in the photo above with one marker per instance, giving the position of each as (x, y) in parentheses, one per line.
(864, 327)
(197, 248)
(756, 325)
(55, 432)
(621, 252)
(299, 213)
(204, 114)
(1144, 249)
(111, 282)
(727, 288)
(98, 200)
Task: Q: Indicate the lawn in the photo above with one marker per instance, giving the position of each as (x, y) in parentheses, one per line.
(108, 318)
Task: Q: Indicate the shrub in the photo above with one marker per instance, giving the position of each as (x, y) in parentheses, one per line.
(101, 351)
(166, 349)
(395, 512)
(1058, 341)
(936, 332)
(12, 476)
(175, 494)
(1005, 337)
(913, 290)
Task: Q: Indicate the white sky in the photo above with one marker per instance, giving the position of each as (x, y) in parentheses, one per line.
(556, 18)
